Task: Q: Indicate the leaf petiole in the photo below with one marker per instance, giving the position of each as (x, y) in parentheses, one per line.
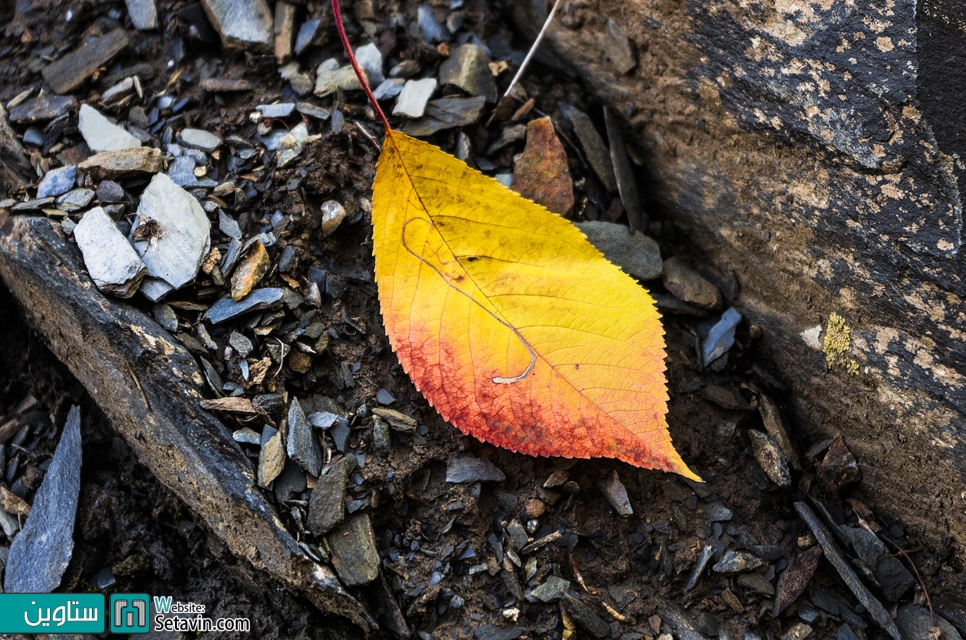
(355, 65)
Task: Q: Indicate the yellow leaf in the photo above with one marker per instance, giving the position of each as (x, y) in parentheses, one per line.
(514, 327)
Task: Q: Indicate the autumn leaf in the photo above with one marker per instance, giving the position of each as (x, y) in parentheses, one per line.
(511, 324)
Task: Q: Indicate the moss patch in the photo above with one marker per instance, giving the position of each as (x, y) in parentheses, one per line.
(838, 341)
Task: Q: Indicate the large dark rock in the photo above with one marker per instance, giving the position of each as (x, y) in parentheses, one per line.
(150, 388)
(812, 151)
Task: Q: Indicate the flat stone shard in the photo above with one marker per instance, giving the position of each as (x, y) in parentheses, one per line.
(685, 283)
(446, 113)
(770, 458)
(44, 107)
(171, 233)
(354, 552)
(327, 504)
(271, 456)
(72, 70)
(541, 173)
(241, 23)
(468, 67)
(635, 253)
(56, 182)
(226, 308)
(465, 469)
(130, 163)
(616, 494)
(40, 553)
(598, 155)
(199, 139)
(144, 14)
(626, 183)
(412, 100)
(101, 134)
(329, 78)
(617, 47)
(835, 556)
(370, 59)
(111, 261)
(302, 445)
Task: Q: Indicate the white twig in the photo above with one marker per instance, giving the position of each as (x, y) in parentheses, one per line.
(533, 49)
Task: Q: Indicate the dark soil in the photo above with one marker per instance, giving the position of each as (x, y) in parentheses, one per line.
(430, 533)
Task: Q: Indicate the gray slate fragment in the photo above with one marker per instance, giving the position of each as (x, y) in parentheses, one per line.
(720, 338)
(626, 184)
(278, 110)
(468, 67)
(551, 590)
(56, 182)
(229, 226)
(616, 494)
(354, 554)
(493, 632)
(307, 35)
(634, 252)
(101, 134)
(835, 556)
(914, 623)
(165, 316)
(327, 504)
(431, 28)
(290, 483)
(240, 343)
(182, 171)
(144, 14)
(717, 512)
(464, 469)
(185, 233)
(199, 139)
(770, 458)
(412, 100)
(46, 106)
(323, 419)
(737, 562)
(226, 308)
(593, 145)
(586, 617)
(241, 23)
(72, 70)
(771, 416)
(388, 89)
(699, 566)
(40, 553)
(446, 113)
(111, 261)
(313, 111)
(302, 445)
(246, 435)
(370, 59)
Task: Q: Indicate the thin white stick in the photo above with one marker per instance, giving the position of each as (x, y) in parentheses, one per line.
(533, 49)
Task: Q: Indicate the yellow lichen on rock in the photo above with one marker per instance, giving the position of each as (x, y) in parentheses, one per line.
(838, 341)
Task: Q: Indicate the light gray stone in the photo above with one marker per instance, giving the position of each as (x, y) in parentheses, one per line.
(228, 225)
(329, 78)
(370, 59)
(634, 252)
(171, 234)
(226, 308)
(616, 494)
(413, 98)
(279, 110)
(464, 469)
(111, 261)
(389, 89)
(199, 139)
(103, 135)
(144, 14)
(241, 23)
(291, 144)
